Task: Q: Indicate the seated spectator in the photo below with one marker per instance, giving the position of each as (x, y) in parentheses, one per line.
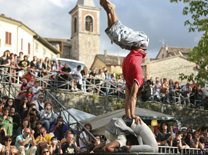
(7, 122)
(178, 141)
(25, 124)
(186, 90)
(43, 140)
(39, 103)
(164, 137)
(45, 151)
(64, 139)
(204, 136)
(177, 90)
(32, 115)
(69, 146)
(9, 149)
(26, 143)
(5, 62)
(23, 106)
(37, 129)
(9, 104)
(46, 66)
(23, 88)
(16, 118)
(48, 116)
(40, 68)
(84, 139)
(2, 104)
(55, 146)
(29, 94)
(59, 128)
(34, 64)
(196, 141)
(32, 81)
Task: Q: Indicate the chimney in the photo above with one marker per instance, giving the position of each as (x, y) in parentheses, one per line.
(105, 53)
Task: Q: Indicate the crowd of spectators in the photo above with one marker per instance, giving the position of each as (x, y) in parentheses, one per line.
(171, 92)
(183, 138)
(30, 126)
(81, 78)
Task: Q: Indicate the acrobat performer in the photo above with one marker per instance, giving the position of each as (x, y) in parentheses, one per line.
(137, 43)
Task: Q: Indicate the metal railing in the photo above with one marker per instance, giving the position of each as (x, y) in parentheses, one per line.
(176, 150)
(8, 89)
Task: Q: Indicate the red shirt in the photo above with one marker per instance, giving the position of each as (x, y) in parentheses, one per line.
(132, 67)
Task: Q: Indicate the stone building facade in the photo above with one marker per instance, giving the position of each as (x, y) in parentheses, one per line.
(169, 68)
(85, 31)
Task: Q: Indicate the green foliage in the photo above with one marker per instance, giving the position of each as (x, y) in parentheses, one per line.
(94, 96)
(110, 99)
(118, 106)
(198, 9)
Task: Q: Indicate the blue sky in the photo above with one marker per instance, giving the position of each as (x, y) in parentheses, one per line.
(159, 19)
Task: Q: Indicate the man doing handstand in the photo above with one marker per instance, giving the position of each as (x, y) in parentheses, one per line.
(136, 42)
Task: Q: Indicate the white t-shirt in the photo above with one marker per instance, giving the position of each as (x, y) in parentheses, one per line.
(81, 144)
(79, 77)
(34, 90)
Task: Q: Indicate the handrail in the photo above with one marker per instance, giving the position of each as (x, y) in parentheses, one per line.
(172, 149)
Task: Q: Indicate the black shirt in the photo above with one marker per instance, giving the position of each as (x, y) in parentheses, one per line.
(162, 136)
(66, 69)
(66, 148)
(24, 63)
(92, 74)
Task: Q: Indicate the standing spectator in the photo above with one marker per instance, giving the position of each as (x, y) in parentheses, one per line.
(7, 122)
(23, 88)
(120, 85)
(156, 90)
(164, 90)
(100, 79)
(34, 65)
(171, 90)
(2, 104)
(23, 64)
(93, 73)
(77, 77)
(69, 146)
(55, 146)
(39, 103)
(5, 62)
(36, 89)
(54, 67)
(59, 128)
(177, 90)
(20, 57)
(29, 94)
(178, 141)
(43, 140)
(66, 72)
(13, 66)
(186, 90)
(47, 66)
(40, 68)
(26, 143)
(85, 75)
(189, 139)
(60, 66)
(164, 137)
(47, 115)
(29, 75)
(84, 140)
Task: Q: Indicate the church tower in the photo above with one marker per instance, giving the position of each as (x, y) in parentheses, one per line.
(85, 31)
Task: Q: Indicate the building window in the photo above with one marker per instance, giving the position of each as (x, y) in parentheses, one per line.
(44, 51)
(28, 48)
(89, 23)
(21, 44)
(36, 46)
(75, 25)
(8, 38)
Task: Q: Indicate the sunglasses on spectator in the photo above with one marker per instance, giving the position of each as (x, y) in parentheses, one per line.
(9, 140)
(45, 151)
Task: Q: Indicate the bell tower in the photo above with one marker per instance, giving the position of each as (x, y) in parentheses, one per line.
(85, 31)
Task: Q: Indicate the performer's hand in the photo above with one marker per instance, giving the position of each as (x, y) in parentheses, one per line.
(138, 120)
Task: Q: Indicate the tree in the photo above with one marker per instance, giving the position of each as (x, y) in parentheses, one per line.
(198, 9)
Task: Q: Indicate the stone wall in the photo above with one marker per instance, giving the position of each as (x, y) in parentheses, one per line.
(99, 105)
